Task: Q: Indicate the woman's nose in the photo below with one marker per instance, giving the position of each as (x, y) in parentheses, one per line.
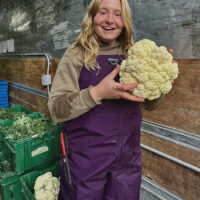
(109, 18)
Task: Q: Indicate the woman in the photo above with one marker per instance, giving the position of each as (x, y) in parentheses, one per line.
(101, 119)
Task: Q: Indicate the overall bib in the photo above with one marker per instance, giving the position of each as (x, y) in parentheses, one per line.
(103, 146)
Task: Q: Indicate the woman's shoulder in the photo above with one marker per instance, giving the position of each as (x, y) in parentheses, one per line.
(74, 52)
(75, 56)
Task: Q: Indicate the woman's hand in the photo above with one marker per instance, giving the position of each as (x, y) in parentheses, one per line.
(108, 88)
(171, 51)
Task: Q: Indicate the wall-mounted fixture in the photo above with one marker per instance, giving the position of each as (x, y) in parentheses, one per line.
(7, 46)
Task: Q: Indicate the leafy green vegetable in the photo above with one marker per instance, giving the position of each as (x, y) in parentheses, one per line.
(41, 125)
(25, 127)
(7, 114)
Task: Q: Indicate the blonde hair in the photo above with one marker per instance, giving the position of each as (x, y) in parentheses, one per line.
(88, 40)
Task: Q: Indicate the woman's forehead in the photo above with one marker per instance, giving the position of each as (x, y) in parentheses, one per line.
(110, 4)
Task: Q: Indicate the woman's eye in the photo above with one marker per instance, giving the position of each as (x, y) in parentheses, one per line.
(118, 14)
(102, 12)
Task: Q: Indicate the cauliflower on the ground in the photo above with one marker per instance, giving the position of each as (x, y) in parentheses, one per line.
(46, 187)
(151, 67)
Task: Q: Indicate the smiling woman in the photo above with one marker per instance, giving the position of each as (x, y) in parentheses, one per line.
(101, 119)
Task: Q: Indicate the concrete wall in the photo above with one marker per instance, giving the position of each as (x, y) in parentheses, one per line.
(51, 25)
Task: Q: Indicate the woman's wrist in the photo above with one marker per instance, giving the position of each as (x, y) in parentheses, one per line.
(95, 94)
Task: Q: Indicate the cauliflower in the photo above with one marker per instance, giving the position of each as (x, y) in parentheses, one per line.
(46, 187)
(151, 67)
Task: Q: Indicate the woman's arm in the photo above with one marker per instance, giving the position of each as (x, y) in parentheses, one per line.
(66, 100)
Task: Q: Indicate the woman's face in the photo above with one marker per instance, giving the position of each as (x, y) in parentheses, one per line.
(107, 22)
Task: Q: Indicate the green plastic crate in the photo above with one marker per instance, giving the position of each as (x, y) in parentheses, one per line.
(10, 182)
(1, 152)
(28, 180)
(10, 186)
(26, 154)
(5, 156)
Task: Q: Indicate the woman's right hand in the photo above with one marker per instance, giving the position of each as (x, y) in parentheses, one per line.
(108, 88)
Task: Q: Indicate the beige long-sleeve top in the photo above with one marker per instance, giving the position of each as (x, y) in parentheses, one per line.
(66, 100)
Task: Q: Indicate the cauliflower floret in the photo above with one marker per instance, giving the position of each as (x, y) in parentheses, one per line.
(46, 187)
(151, 67)
(40, 181)
(44, 195)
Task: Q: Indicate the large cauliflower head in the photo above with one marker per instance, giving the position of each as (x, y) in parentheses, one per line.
(151, 67)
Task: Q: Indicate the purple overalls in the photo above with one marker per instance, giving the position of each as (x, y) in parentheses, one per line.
(103, 146)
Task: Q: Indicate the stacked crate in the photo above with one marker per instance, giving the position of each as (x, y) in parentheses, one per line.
(26, 157)
(4, 94)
